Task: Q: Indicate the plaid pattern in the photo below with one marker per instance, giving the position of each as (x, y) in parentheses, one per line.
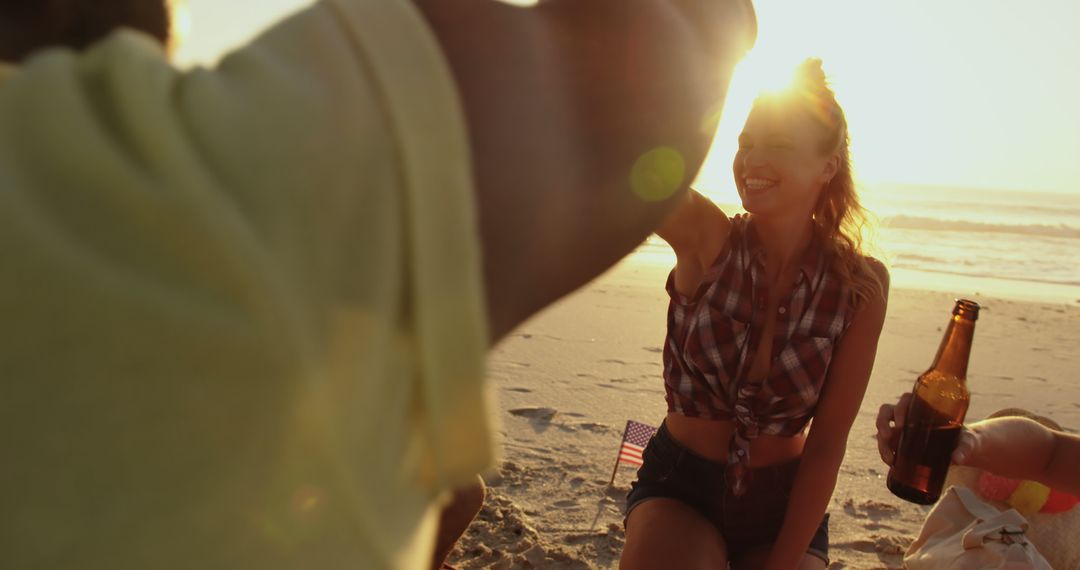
(712, 337)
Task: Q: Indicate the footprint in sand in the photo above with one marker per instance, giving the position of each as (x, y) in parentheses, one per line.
(655, 349)
(566, 504)
(543, 414)
(879, 545)
(873, 510)
(520, 390)
(595, 427)
(861, 546)
(891, 544)
(614, 361)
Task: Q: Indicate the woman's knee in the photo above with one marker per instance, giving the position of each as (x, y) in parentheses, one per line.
(666, 533)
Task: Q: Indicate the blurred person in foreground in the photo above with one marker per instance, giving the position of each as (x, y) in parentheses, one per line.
(1014, 447)
(772, 332)
(246, 308)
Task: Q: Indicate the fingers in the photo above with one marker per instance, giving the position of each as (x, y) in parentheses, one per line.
(885, 417)
(965, 447)
(885, 451)
(885, 433)
(890, 421)
(902, 407)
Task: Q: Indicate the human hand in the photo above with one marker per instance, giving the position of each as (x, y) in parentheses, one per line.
(1010, 446)
(972, 443)
(967, 447)
(890, 422)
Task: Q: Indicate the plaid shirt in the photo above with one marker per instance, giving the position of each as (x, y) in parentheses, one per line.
(713, 335)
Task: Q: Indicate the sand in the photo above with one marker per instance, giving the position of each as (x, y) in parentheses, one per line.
(567, 381)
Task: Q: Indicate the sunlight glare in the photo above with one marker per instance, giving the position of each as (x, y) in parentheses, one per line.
(180, 23)
(762, 71)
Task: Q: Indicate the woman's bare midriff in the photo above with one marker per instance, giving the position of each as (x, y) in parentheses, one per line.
(710, 439)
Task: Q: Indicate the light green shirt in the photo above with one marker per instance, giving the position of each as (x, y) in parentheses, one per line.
(241, 316)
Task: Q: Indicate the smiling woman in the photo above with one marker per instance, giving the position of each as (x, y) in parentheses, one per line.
(773, 321)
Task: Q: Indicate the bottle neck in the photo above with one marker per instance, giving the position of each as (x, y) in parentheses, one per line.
(952, 355)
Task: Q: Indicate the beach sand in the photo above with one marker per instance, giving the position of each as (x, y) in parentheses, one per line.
(567, 381)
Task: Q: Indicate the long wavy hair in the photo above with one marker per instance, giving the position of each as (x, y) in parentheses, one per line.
(27, 26)
(838, 216)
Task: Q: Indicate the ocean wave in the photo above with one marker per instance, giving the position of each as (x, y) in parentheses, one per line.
(1056, 210)
(932, 224)
(900, 264)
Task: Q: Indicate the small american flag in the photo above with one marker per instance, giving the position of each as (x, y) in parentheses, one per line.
(634, 440)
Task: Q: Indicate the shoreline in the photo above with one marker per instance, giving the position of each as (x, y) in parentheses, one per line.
(978, 286)
(961, 285)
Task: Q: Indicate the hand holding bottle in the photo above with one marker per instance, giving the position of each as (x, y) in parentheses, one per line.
(934, 415)
(1014, 447)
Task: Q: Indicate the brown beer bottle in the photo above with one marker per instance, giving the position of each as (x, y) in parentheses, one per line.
(936, 414)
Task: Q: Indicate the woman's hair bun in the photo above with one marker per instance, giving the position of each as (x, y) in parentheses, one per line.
(810, 75)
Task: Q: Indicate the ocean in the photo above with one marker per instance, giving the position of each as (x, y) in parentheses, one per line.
(970, 242)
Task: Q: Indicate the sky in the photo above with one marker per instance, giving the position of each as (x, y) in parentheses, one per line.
(969, 93)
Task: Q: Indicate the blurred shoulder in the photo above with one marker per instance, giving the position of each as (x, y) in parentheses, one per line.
(877, 268)
(872, 287)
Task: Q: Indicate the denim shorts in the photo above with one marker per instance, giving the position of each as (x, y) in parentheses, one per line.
(747, 523)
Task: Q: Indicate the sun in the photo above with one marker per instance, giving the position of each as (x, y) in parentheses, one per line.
(761, 71)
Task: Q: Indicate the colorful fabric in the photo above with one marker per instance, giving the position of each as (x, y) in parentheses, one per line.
(713, 335)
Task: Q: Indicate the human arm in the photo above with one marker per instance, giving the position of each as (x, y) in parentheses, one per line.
(696, 230)
(299, 217)
(841, 397)
(560, 104)
(1021, 448)
(1014, 447)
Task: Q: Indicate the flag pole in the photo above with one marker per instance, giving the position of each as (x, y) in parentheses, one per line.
(616, 468)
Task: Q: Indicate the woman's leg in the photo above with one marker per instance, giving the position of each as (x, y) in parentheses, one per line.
(666, 533)
(756, 559)
(456, 518)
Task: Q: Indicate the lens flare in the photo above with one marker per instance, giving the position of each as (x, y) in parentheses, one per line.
(657, 174)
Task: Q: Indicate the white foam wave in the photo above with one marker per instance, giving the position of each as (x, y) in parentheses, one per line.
(932, 224)
(931, 269)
